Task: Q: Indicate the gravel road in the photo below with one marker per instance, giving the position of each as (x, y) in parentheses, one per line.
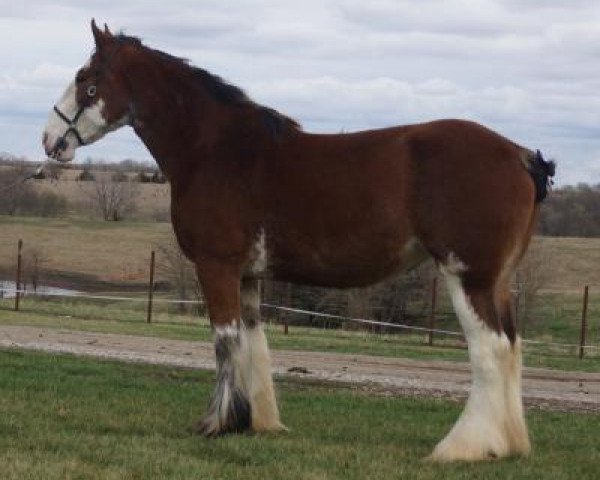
(549, 389)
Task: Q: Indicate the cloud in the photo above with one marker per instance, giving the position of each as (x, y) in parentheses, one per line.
(525, 68)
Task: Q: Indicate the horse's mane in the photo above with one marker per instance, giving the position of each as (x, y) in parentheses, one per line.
(221, 90)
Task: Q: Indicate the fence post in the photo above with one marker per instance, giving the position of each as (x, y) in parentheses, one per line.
(583, 322)
(18, 279)
(288, 301)
(150, 288)
(433, 307)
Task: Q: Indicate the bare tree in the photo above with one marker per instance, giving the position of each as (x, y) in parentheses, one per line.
(400, 299)
(14, 192)
(35, 260)
(114, 199)
(178, 271)
(532, 274)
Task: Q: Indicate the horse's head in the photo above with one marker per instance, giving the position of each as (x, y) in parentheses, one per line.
(95, 103)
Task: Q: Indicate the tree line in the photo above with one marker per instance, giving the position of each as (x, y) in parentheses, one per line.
(571, 211)
(110, 189)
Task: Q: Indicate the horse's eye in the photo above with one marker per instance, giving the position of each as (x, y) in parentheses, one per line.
(91, 91)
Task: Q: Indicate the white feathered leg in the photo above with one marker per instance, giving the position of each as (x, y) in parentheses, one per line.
(492, 424)
(257, 375)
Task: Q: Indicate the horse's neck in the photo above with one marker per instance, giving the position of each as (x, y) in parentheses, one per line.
(176, 120)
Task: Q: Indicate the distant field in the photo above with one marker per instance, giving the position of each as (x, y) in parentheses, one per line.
(106, 251)
(119, 251)
(571, 263)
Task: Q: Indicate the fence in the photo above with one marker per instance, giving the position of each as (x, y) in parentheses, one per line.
(283, 311)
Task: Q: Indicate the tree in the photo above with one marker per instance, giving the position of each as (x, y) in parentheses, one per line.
(571, 212)
(119, 176)
(86, 175)
(14, 191)
(34, 262)
(403, 298)
(532, 274)
(114, 199)
(178, 271)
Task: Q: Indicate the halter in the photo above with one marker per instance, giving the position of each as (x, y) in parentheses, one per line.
(61, 142)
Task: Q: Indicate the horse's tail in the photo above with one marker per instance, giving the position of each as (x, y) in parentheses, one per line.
(541, 172)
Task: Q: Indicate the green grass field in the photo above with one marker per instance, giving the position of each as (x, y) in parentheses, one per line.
(69, 418)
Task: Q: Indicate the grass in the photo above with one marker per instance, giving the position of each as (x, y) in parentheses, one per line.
(129, 318)
(105, 251)
(69, 418)
(573, 262)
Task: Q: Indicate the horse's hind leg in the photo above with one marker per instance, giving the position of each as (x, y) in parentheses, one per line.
(516, 428)
(492, 424)
(257, 363)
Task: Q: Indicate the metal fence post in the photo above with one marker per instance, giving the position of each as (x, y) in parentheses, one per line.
(150, 288)
(18, 279)
(288, 301)
(583, 322)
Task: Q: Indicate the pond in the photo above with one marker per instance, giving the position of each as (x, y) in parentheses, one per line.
(7, 290)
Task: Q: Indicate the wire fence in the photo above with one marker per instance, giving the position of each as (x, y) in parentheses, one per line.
(282, 312)
(14, 293)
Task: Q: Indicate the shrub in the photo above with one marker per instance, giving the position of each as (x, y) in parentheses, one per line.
(86, 176)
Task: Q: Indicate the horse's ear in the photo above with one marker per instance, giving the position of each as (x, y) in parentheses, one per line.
(101, 38)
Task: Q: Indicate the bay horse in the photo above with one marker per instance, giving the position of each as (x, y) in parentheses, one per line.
(253, 196)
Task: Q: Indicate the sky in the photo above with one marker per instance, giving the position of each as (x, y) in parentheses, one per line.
(529, 69)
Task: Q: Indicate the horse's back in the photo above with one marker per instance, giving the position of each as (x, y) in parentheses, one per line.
(358, 205)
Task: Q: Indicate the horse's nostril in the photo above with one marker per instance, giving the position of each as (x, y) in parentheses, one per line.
(61, 144)
(44, 138)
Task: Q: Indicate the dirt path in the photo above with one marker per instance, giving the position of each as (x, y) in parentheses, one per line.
(571, 391)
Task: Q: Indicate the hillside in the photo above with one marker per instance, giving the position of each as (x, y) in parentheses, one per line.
(119, 251)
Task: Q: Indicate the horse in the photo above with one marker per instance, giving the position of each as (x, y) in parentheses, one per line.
(254, 196)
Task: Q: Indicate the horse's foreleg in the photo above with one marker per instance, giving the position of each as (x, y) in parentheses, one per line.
(492, 424)
(229, 408)
(257, 363)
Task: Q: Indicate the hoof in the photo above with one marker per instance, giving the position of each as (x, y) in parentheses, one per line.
(272, 429)
(206, 427)
(233, 416)
(462, 456)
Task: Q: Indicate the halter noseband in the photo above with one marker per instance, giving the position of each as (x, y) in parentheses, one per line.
(61, 143)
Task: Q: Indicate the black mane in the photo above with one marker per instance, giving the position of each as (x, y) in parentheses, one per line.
(223, 91)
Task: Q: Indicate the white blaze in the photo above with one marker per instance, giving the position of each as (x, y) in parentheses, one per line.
(91, 124)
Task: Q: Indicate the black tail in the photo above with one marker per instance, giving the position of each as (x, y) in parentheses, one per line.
(541, 172)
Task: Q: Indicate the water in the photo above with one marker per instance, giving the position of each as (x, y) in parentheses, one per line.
(7, 290)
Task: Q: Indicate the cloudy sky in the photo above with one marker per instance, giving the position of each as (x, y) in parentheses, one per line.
(529, 69)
